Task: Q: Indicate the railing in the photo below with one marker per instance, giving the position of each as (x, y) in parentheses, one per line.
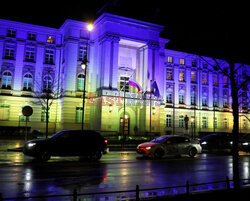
(138, 193)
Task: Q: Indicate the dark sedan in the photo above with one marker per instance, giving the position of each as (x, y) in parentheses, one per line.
(87, 144)
(217, 142)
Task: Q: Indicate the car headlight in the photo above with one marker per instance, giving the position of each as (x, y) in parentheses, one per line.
(204, 143)
(231, 142)
(245, 143)
(148, 148)
(31, 144)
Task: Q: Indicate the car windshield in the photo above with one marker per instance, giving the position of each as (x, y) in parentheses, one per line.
(57, 135)
(159, 139)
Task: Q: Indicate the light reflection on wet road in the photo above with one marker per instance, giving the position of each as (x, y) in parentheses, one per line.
(20, 176)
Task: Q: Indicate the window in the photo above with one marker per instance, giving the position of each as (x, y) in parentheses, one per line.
(51, 39)
(204, 99)
(4, 111)
(182, 61)
(43, 114)
(170, 59)
(78, 114)
(181, 97)
(215, 80)
(31, 36)
(215, 99)
(181, 75)
(215, 122)
(30, 54)
(169, 74)
(204, 78)
(80, 82)
(11, 33)
(225, 84)
(169, 96)
(204, 122)
(6, 80)
(194, 63)
(181, 121)
(244, 124)
(168, 120)
(123, 81)
(225, 101)
(49, 56)
(193, 76)
(205, 65)
(193, 98)
(82, 52)
(225, 123)
(27, 82)
(9, 52)
(47, 83)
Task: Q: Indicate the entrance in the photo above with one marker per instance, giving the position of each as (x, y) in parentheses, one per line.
(126, 125)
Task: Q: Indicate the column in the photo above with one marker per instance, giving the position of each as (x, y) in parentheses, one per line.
(188, 89)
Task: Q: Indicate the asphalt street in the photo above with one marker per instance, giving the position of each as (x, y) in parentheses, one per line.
(122, 170)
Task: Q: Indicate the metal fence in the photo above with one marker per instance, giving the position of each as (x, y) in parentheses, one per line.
(134, 194)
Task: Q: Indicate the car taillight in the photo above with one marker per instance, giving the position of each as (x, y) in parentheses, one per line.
(106, 141)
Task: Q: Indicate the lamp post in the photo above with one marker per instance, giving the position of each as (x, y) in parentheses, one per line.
(19, 119)
(84, 66)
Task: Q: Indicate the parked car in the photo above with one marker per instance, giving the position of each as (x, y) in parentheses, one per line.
(89, 144)
(217, 142)
(169, 145)
(244, 142)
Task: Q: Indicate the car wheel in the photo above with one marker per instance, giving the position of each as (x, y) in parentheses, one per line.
(159, 153)
(45, 156)
(192, 152)
(96, 155)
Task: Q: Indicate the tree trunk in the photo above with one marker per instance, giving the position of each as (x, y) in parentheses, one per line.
(47, 117)
(235, 107)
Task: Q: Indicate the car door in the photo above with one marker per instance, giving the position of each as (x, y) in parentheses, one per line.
(183, 143)
(171, 145)
(58, 144)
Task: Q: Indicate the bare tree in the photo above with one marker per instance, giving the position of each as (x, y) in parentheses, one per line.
(233, 73)
(47, 92)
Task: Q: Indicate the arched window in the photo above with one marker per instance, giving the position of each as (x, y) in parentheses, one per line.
(47, 83)
(80, 82)
(204, 99)
(169, 96)
(193, 97)
(6, 80)
(181, 97)
(27, 82)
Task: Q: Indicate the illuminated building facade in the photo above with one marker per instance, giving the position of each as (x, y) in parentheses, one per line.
(34, 58)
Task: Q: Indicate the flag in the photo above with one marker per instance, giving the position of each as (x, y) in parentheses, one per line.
(134, 84)
(154, 89)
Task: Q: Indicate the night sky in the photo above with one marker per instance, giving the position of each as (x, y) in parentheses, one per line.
(202, 27)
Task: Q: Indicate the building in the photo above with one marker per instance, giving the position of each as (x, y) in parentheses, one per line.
(34, 58)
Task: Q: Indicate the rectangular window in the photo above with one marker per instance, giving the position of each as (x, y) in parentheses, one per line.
(31, 36)
(123, 81)
(169, 74)
(215, 122)
(225, 123)
(181, 75)
(204, 78)
(43, 114)
(82, 52)
(181, 121)
(168, 120)
(4, 111)
(193, 98)
(30, 54)
(194, 63)
(215, 80)
(204, 122)
(225, 83)
(170, 59)
(51, 39)
(78, 114)
(9, 52)
(11, 33)
(193, 76)
(205, 65)
(181, 97)
(182, 61)
(49, 56)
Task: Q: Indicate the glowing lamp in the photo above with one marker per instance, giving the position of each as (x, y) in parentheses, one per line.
(90, 27)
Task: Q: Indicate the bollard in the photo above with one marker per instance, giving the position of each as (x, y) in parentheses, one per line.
(228, 182)
(75, 195)
(187, 187)
(137, 193)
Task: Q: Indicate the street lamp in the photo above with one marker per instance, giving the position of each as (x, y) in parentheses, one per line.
(19, 119)
(84, 66)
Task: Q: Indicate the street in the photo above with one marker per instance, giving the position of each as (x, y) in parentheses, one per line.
(123, 170)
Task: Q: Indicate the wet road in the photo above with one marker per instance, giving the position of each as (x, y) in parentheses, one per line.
(20, 176)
